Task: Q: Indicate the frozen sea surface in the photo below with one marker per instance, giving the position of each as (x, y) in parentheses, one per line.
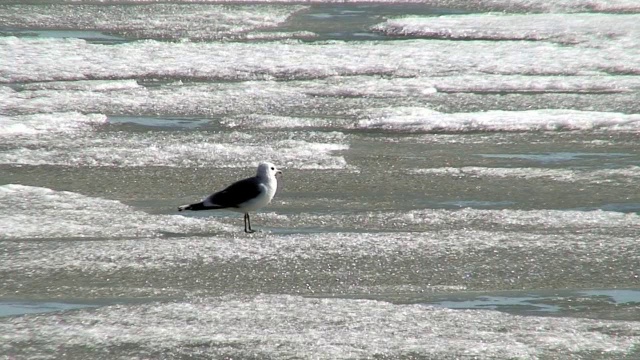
(460, 179)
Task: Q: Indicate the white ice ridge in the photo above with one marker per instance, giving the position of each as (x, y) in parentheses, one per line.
(172, 21)
(35, 212)
(546, 6)
(175, 151)
(423, 119)
(72, 139)
(44, 124)
(565, 28)
(218, 246)
(627, 174)
(283, 326)
(477, 5)
(57, 59)
(474, 222)
(244, 103)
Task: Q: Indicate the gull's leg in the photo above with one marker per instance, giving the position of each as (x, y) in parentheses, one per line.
(247, 220)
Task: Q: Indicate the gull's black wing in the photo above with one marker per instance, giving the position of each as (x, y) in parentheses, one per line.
(235, 194)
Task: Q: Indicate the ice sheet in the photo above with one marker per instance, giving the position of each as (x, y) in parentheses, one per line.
(535, 221)
(125, 251)
(27, 126)
(69, 59)
(427, 120)
(289, 326)
(270, 98)
(476, 5)
(164, 21)
(176, 151)
(51, 137)
(35, 212)
(628, 174)
(563, 28)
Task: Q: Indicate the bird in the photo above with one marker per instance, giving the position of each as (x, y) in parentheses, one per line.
(243, 196)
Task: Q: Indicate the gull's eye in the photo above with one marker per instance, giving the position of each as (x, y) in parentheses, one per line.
(272, 168)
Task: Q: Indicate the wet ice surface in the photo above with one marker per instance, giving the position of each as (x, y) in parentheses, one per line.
(441, 198)
(338, 102)
(289, 326)
(12, 308)
(220, 61)
(574, 28)
(427, 120)
(163, 21)
(71, 139)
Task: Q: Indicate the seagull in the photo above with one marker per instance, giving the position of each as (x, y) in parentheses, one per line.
(245, 195)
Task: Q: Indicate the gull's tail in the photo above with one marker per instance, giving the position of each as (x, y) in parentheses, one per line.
(194, 207)
(198, 206)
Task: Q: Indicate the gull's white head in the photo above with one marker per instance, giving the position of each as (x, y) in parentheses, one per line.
(267, 169)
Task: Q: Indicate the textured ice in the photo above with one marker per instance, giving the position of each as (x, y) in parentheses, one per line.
(534, 84)
(294, 327)
(166, 21)
(12, 308)
(313, 105)
(260, 103)
(550, 6)
(34, 212)
(176, 151)
(477, 5)
(556, 157)
(253, 104)
(424, 119)
(564, 28)
(534, 221)
(73, 59)
(83, 85)
(274, 122)
(149, 253)
(45, 124)
(628, 174)
(176, 98)
(51, 136)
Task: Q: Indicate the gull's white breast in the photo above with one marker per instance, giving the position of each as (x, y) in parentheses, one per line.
(267, 192)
